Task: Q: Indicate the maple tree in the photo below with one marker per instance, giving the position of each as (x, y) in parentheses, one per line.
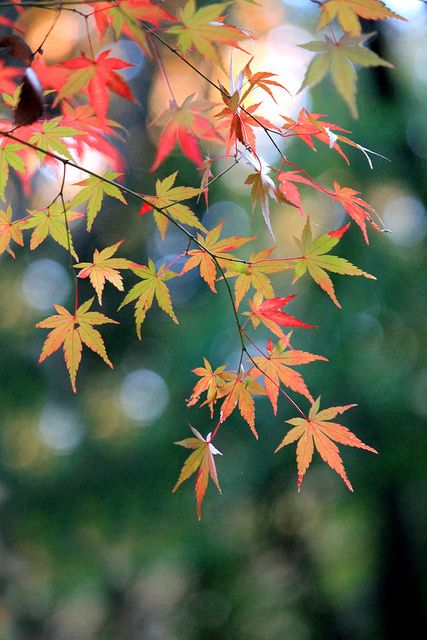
(56, 111)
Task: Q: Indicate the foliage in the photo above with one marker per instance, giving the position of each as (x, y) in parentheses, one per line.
(56, 137)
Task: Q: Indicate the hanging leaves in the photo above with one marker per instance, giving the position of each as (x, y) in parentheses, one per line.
(80, 91)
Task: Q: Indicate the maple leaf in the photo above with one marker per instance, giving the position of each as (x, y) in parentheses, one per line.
(97, 77)
(289, 189)
(240, 119)
(152, 285)
(50, 136)
(93, 192)
(347, 12)
(262, 189)
(339, 58)
(238, 391)
(104, 267)
(9, 231)
(203, 30)
(71, 332)
(9, 157)
(184, 125)
(52, 221)
(214, 245)
(316, 260)
(276, 369)
(253, 274)
(268, 312)
(356, 208)
(92, 131)
(126, 18)
(317, 431)
(201, 459)
(210, 381)
(168, 198)
(309, 126)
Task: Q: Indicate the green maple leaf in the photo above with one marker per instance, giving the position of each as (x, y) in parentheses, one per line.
(93, 192)
(339, 59)
(316, 260)
(50, 138)
(152, 286)
(203, 29)
(52, 222)
(169, 199)
(9, 158)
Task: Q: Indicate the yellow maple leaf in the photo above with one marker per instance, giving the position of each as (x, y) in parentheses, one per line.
(348, 12)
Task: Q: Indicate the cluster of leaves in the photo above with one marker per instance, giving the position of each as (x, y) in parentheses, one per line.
(79, 91)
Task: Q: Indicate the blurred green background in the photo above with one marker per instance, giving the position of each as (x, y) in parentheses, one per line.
(93, 543)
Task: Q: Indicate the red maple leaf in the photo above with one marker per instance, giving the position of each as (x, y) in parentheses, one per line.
(268, 312)
(356, 208)
(98, 77)
(184, 125)
(309, 126)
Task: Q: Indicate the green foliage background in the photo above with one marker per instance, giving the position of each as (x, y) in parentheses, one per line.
(93, 543)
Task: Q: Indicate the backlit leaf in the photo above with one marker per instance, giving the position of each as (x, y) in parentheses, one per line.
(348, 12)
(104, 267)
(202, 459)
(276, 365)
(72, 331)
(93, 192)
(316, 431)
(339, 58)
(152, 286)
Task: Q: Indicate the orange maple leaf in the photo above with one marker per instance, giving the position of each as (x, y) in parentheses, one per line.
(71, 332)
(203, 460)
(276, 369)
(253, 274)
(214, 245)
(9, 231)
(210, 381)
(104, 267)
(356, 208)
(238, 391)
(317, 431)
